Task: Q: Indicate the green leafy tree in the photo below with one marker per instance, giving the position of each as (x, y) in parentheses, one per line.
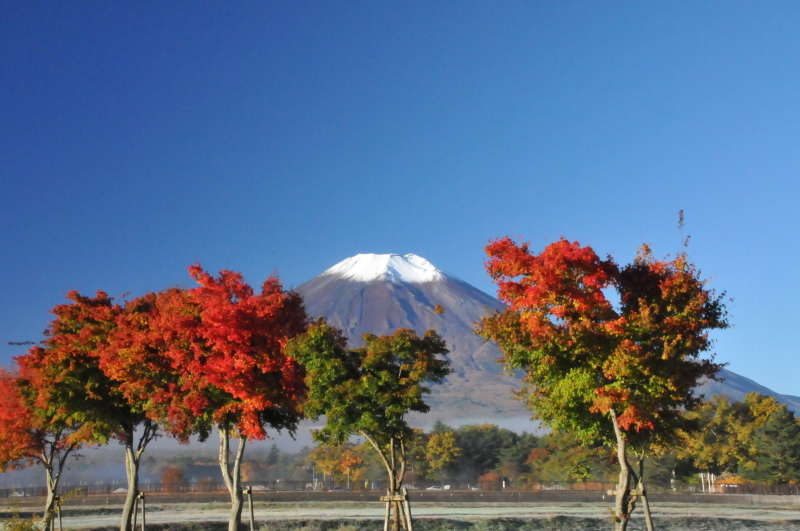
(368, 391)
(563, 458)
(481, 446)
(417, 462)
(622, 374)
(513, 458)
(779, 448)
(274, 455)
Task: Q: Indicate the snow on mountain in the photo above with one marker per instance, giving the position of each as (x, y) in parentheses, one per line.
(410, 268)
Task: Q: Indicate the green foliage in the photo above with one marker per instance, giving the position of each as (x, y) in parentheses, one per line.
(274, 455)
(560, 458)
(487, 447)
(416, 448)
(514, 459)
(18, 523)
(480, 443)
(778, 450)
(369, 389)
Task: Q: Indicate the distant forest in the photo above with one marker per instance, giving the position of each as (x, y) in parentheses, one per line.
(756, 440)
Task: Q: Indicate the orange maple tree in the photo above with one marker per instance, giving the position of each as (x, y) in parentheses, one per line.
(620, 374)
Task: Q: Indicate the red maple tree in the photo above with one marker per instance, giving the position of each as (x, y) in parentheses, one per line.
(222, 348)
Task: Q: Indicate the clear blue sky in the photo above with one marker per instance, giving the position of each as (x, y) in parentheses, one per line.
(136, 139)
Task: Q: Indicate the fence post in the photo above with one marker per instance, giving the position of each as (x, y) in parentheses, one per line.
(249, 491)
(141, 494)
(135, 511)
(58, 508)
(407, 505)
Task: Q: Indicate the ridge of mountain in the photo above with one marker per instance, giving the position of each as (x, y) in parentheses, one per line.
(735, 386)
(378, 294)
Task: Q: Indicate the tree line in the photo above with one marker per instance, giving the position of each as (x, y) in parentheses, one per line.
(217, 357)
(601, 371)
(755, 440)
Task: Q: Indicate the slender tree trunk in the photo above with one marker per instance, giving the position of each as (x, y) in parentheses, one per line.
(53, 462)
(645, 504)
(50, 501)
(132, 457)
(132, 470)
(232, 476)
(395, 468)
(623, 505)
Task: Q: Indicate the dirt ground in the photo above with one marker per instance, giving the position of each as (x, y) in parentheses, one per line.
(361, 516)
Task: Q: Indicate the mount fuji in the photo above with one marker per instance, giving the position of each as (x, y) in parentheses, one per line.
(379, 293)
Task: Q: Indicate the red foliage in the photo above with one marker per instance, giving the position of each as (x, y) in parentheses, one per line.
(63, 379)
(18, 439)
(212, 354)
(491, 481)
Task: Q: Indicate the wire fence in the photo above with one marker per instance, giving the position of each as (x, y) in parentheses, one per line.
(190, 488)
(166, 488)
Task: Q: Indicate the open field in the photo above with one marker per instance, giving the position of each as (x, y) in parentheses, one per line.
(759, 513)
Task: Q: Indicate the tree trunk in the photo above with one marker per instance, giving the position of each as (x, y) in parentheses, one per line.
(53, 462)
(232, 477)
(645, 504)
(132, 470)
(623, 506)
(50, 501)
(395, 468)
(132, 458)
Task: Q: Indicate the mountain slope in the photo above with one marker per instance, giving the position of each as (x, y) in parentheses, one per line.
(378, 294)
(736, 386)
(394, 295)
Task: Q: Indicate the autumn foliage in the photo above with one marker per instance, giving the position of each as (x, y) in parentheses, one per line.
(235, 331)
(581, 356)
(18, 442)
(178, 350)
(226, 349)
(620, 374)
(173, 479)
(180, 359)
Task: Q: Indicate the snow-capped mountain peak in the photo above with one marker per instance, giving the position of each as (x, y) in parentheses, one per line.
(392, 267)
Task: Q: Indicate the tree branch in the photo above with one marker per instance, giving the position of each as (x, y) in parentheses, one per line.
(377, 447)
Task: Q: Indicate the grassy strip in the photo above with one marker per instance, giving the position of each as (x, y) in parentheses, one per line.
(558, 523)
